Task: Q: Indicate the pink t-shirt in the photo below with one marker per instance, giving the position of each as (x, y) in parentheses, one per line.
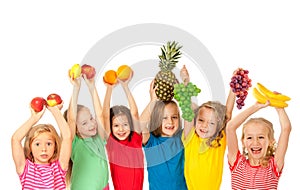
(43, 176)
(245, 176)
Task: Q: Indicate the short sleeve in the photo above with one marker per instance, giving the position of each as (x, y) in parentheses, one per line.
(238, 157)
(186, 140)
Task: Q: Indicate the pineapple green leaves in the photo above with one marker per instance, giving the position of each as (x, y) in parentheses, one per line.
(165, 78)
(169, 56)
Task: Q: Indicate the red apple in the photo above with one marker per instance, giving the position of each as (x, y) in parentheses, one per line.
(53, 100)
(37, 104)
(88, 70)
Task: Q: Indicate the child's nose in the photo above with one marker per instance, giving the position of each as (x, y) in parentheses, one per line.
(255, 141)
(170, 120)
(205, 124)
(44, 148)
(121, 128)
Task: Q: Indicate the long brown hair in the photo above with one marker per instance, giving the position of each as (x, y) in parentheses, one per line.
(121, 110)
(156, 118)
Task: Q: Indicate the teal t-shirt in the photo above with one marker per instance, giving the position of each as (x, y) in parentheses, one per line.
(165, 163)
(90, 168)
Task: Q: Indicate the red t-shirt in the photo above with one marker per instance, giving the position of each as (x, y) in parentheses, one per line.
(126, 161)
(245, 176)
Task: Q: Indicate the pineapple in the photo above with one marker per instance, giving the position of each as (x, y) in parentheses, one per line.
(165, 78)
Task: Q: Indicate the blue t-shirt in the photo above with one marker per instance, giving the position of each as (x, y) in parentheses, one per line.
(165, 162)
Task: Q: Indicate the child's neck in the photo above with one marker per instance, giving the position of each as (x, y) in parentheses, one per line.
(254, 162)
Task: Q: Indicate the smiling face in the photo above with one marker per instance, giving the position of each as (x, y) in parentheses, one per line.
(170, 121)
(120, 127)
(42, 148)
(256, 139)
(206, 122)
(86, 123)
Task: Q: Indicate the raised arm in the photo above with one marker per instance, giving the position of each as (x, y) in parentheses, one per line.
(132, 104)
(66, 144)
(106, 108)
(233, 124)
(72, 110)
(185, 77)
(16, 140)
(145, 116)
(283, 138)
(229, 105)
(97, 106)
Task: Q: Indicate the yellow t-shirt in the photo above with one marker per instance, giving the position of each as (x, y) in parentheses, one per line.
(203, 165)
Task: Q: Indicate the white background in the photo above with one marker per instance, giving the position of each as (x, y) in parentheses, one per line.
(41, 40)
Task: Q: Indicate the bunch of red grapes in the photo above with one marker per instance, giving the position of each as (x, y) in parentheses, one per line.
(240, 84)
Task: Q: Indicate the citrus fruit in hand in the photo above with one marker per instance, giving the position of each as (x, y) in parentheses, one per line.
(110, 77)
(124, 72)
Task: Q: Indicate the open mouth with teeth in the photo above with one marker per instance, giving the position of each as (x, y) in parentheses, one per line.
(92, 129)
(203, 131)
(121, 134)
(169, 127)
(256, 150)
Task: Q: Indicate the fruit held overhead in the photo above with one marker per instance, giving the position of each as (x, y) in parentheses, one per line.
(110, 77)
(75, 71)
(38, 103)
(263, 94)
(88, 70)
(240, 84)
(183, 95)
(165, 79)
(53, 99)
(124, 72)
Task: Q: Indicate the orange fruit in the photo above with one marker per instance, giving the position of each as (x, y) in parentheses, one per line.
(124, 72)
(110, 77)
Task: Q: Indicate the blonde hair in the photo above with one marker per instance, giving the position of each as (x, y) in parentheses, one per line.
(70, 166)
(34, 133)
(271, 148)
(220, 113)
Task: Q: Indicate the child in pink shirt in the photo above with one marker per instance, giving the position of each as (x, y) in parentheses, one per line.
(43, 161)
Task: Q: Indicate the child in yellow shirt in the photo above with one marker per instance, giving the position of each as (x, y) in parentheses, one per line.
(204, 141)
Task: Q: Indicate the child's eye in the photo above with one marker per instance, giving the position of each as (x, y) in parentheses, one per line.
(175, 117)
(249, 138)
(261, 137)
(37, 144)
(49, 143)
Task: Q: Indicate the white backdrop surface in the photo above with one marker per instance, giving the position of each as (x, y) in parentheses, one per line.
(41, 40)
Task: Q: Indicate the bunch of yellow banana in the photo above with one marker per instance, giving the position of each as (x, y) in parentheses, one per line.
(262, 95)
